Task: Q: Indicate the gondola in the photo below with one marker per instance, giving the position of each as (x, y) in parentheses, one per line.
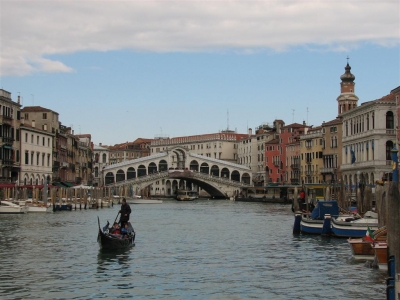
(109, 241)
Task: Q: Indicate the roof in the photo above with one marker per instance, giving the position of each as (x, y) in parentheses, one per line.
(36, 109)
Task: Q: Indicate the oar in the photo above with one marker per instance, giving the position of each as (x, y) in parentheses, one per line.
(116, 218)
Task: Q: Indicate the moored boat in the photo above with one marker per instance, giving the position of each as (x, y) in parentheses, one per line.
(361, 248)
(381, 255)
(354, 227)
(108, 241)
(186, 195)
(319, 221)
(7, 207)
(143, 201)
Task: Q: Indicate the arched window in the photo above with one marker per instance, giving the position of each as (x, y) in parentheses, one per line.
(389, 120)
(389, 147)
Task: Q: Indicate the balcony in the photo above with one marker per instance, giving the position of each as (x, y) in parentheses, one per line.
(295, 166)
(7, 162)
(367, 164)
(8, 140)
(368, 134)
(328, 170)
(308, 161)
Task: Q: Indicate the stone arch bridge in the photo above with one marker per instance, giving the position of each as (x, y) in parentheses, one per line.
(177, 168)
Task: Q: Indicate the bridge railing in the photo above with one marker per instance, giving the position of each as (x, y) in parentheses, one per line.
(219, 179)
(165, 174)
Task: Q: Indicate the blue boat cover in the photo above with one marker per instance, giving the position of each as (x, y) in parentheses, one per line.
(325, 207)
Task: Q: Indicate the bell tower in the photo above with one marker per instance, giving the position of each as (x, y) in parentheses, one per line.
(347, 99)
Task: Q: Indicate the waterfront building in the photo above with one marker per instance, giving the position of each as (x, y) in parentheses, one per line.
(83, 162)
(332, 150)
(273, 161)
(396, 93)
(36, 155)
(10, 157)
(129, 150)
(101, 156)
(251, 151)
(290, 143)
(368, 137)
(311, 161)
(221, 145)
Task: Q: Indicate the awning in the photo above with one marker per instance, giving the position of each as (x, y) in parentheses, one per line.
(7, 147)
(67, 184)
(58, 184)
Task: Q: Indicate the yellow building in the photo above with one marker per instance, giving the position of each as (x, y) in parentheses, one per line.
(311, 159)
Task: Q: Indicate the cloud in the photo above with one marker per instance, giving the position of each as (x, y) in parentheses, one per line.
(33, 31)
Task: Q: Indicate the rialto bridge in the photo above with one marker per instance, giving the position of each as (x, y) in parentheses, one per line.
(176, 168)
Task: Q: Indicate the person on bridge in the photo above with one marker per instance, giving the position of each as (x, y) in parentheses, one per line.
(125, 213)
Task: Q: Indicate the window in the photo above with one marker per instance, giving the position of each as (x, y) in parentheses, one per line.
(31, 158)
(44, 116)
(389, 120)
(26, 137)
(31, 138)
(37, 140)
(43, 158)
(26, 157)
(43, 141)
(37, 159)
(26, 116)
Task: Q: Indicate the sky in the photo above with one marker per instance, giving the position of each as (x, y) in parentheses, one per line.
(122, 70)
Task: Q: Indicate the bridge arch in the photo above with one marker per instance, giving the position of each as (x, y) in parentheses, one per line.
(109, 179)
(214, 170)
(246, 178)
(120, 175)
(162, 165)
(204, 168)
(194, 165)
(225, 172)
(131, 173)
(141, 171)
(235, 175)
(152, 168)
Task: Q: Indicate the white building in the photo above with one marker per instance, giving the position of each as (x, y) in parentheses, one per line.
(101, 159)
(368, 137)
(36, 155)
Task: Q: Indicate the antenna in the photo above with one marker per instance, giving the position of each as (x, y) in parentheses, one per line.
(307, 115)
(293, 115)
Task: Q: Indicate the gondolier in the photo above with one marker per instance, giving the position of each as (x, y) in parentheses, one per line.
(125, 213)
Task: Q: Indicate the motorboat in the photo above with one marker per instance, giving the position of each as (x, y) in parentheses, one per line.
(7, 207)
(381, 254)
(319, 220)
(361, 248)
(354, 227)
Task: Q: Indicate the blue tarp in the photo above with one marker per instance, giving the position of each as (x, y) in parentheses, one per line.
(325, 207)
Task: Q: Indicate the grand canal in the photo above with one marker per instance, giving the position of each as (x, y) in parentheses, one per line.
(184, 250)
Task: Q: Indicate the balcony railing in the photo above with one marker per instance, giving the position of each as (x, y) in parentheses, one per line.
(295, 166)
(327, 170)
(6, 139)
(7, 162)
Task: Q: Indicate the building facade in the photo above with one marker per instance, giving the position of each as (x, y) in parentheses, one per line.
(10, 155)
(37, 152)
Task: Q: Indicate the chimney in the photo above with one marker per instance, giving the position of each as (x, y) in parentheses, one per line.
(100, 144)
(250, 131)
(19, 99)
(33, 123)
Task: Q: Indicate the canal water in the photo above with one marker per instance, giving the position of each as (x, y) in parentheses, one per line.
(184, 250)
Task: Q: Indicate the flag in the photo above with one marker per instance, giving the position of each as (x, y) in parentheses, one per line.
(370, 235)
(353, 156)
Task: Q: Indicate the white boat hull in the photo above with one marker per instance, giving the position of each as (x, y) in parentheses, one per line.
(144, 201)
(39, 209)
(7, 207)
